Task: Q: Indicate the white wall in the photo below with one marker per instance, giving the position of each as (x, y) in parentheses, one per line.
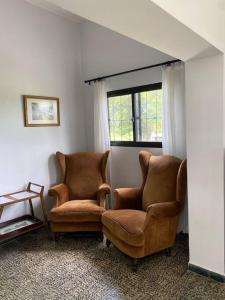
(105, 52)
(39, 55)
(204, 113)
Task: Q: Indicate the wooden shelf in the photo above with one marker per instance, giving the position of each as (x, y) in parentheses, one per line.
(17, 197)
(18, 226)
(26, 223)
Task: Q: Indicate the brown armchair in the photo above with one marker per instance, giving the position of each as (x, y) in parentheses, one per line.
(144, 220)
(80, 198)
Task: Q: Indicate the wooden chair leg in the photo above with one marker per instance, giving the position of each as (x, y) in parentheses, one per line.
(49, 232)
(100, 237)
(56, 236)
(108, 243)
(134, 264)
(169, 251)
(44, 211)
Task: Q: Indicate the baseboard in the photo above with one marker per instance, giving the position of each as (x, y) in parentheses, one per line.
(207, 273)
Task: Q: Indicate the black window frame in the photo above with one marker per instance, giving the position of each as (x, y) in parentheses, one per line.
(132, 91)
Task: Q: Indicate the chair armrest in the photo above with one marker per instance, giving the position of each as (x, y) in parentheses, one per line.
(61, 192)
(163, 210)
(128, 198)
(103, 190)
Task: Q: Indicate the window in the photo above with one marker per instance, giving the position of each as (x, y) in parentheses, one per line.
(135, 116)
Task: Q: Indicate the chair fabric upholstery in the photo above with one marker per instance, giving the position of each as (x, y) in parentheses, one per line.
(161, 181)
(127, 223)
(144, 220)
(80, 198)
(77, 211)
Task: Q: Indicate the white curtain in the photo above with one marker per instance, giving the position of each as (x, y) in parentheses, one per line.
(101, 126)
(173, 84)
(174, 137)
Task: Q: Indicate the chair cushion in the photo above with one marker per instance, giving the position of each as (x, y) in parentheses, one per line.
(161, 181)
(126, 225)
(77, 211)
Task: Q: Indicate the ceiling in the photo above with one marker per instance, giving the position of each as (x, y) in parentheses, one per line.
(144, 22)
(205, 17)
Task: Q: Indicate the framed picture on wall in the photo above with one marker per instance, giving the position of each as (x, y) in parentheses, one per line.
(41, 111)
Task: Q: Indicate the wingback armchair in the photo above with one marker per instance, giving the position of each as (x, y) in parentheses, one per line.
(144, 220)
(81, 197)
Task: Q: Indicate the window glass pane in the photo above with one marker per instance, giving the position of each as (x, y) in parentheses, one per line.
(148, 120)
(120, 118)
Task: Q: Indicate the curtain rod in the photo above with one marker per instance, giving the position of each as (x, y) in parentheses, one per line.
(133, 70)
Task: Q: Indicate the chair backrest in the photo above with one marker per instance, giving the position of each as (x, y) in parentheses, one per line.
(164, 179)
(83, 173)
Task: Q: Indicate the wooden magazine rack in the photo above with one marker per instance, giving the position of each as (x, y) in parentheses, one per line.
(26, 223)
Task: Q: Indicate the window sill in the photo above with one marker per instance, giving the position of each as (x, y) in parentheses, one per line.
(137, 144)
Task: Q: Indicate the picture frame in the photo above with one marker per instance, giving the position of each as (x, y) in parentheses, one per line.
(41, 111)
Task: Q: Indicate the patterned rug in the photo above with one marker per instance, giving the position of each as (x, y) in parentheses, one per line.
(34, 267)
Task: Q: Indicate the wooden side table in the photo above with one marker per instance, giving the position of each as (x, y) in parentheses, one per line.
(26, 223)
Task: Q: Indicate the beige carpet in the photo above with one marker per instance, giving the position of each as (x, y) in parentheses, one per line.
(33, 267)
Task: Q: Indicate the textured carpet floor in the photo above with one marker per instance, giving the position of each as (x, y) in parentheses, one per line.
(34, 267)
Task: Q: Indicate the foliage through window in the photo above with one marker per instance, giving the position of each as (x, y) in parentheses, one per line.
(135, 116)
